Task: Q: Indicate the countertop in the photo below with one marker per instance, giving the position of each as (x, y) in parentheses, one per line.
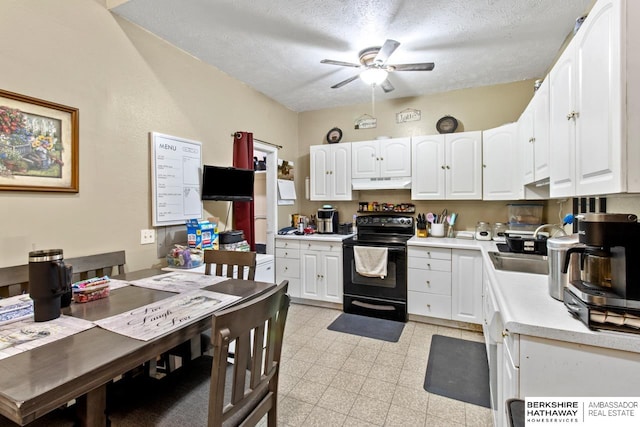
(315, 236)
(526, 306)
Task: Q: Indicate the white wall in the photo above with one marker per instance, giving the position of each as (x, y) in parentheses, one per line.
(126, 83)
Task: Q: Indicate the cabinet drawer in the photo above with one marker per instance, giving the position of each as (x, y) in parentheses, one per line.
(431, 305)
(434, 282)
(321, 246)
(287, 244)
(429, 264)
(287, 253)
(287, 268)
(429, 253)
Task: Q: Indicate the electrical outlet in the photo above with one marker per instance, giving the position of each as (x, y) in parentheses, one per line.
(147, 237)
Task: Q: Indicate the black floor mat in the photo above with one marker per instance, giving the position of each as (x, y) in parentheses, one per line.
(365, 326)
(458, 369)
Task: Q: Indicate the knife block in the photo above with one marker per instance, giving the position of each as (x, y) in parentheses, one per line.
(422, 232)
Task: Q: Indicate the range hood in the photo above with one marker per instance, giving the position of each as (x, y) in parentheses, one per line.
(395, 183)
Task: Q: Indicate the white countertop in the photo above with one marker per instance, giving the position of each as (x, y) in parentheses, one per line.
(315, 236)
(526, 306)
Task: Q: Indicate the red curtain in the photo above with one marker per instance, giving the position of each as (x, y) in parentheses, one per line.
(243, 215)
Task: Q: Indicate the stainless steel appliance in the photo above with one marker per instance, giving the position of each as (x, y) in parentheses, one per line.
(327, 222)
(607, 296)
(557, 248)
(382, 297)
(49, 282)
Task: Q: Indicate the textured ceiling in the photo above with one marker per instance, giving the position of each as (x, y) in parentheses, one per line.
(275, 46)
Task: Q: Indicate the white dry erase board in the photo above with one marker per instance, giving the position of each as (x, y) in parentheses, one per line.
(176, 175)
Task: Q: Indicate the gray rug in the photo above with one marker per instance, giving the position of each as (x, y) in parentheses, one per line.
(370, 327)
(458, 369)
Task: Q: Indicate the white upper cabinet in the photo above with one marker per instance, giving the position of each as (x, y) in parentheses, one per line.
(330, 172)
(501, 168)
(533, 137)
(384, 158)
(447, 166)
(593, 96)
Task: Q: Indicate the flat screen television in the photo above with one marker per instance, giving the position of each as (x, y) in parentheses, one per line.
(227, 183)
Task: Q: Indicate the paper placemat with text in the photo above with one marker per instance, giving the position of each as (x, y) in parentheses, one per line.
(178, 281)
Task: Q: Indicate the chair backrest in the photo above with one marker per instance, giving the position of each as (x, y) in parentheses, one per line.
(254, 382)
(15, 280)
(97, 265)
(232, 261)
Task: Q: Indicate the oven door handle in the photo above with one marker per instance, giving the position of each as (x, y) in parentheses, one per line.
(393, 249)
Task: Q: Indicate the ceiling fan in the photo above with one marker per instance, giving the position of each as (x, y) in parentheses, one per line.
(374, 67)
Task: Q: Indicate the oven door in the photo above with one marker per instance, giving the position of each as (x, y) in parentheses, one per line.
(392, 287)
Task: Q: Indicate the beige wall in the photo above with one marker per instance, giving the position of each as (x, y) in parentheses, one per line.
(476, 109)
(126, 83)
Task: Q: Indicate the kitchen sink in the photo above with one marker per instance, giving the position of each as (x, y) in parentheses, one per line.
(523, 263)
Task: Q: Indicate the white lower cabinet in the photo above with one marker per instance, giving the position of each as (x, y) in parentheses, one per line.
(445, 283)
(466, 286)
(321, 271)
(313, 268)
(288, 264)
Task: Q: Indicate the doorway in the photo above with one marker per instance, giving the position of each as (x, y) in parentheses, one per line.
(266, 203)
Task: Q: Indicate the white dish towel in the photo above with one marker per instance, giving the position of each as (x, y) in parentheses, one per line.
(371, 261)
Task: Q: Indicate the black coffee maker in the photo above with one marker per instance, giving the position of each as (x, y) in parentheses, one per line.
(607, 295)
(49, 283)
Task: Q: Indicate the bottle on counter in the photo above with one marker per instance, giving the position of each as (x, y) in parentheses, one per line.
(483, 231)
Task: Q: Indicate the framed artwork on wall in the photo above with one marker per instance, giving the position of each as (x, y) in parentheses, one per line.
(38, 145)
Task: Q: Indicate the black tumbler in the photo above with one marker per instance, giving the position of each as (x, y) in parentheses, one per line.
(49, 280)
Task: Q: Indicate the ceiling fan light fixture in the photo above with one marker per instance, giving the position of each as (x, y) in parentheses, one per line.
(374, 76)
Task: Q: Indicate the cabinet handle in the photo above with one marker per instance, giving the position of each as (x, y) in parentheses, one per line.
(572, 115)
(286, 268)
(505, 334)
(381, 158)
(531, 139)
(484, 166)
(448, 167)
(429, 253)
(326, 172)
(286, 254)
(442, 167)
(429, 266)
(429, 283)
(309, 244)
(429, 306)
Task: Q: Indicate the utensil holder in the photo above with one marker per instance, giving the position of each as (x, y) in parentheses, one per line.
(437, 230)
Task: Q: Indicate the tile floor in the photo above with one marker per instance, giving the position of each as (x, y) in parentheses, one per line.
(330, 378)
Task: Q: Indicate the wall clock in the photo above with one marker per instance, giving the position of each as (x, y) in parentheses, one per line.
(334, 135)
(447, 124)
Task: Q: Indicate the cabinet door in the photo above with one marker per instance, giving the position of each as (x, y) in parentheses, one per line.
(331, 277)
(598, 102)
(466, 286)
(463, 169)
(340, 178)
(525, 144)
(541, 132)
(319, 172)
(395, 157)
(365, 161)
(427, 168)
(310, 274)
(562, 127)
(500, 171)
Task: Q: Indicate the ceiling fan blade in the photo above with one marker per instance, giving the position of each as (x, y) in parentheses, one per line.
(385, 51)
(387, 86)
(423, 66)
(344, 64)
(344, 82)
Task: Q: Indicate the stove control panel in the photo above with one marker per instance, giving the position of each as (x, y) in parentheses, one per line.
(375, 221)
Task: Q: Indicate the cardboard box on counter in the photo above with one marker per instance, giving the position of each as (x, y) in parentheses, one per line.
(202, 234)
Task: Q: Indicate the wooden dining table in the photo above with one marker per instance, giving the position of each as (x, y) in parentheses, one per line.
(80, 366)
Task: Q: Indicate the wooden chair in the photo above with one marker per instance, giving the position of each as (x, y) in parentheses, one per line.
(238, 394)
(15, 280)
(228, 263)
(220, 263)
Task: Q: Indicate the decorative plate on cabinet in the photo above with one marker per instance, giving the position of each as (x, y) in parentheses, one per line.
(334, 135)
(447, 124)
